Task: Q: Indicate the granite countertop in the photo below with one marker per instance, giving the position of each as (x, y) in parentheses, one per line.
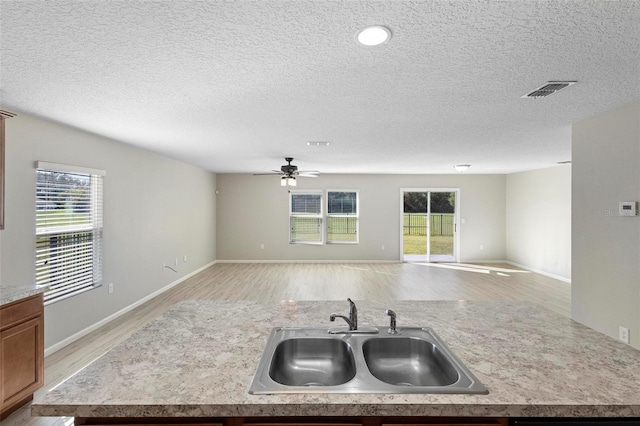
(9, 294)
(197, 360)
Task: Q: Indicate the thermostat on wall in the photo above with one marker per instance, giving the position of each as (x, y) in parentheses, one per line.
(628, 208)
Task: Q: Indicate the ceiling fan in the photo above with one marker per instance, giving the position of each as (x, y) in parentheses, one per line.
(289, 173)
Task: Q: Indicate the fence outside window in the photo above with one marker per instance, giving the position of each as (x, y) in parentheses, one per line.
(441, 224)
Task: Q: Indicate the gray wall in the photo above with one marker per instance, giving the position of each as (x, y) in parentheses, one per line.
(539, 220)
(606, 247)
(155, 210)
(253, 210)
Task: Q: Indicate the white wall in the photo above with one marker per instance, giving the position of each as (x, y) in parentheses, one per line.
(606, 247)
(155, 210)
(253, 210)
(539, 220)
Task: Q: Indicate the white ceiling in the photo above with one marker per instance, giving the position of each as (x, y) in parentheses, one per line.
(234, 86)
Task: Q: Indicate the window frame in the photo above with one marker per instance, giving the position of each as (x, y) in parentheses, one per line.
(320, 215)
(329, 215)
(85, 238)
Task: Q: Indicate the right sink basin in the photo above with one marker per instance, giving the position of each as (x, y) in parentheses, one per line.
(408, 361)
(312, 360)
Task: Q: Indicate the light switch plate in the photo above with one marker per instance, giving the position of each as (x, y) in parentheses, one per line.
(628, 208)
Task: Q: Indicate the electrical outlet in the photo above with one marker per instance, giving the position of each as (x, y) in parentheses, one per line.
(261, 246)
(623, 334)
(481, 247)
(176, 261)
(110, 288)
(382, 247)
(184, 258)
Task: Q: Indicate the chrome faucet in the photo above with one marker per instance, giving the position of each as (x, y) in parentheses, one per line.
(392, 325)
(352, 321)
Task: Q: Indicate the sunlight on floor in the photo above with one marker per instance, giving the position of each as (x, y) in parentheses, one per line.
(480, 269)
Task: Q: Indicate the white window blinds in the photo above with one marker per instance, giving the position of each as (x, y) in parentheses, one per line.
(68, 229)
(342, 216)
(305, 218)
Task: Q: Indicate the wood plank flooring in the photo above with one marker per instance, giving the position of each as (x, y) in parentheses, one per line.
(309, 281)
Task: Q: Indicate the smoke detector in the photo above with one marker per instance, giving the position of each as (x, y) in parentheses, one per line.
(549, 88)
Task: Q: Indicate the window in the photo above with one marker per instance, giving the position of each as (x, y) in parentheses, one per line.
(68, 229)
(305, 217)
(342, 217)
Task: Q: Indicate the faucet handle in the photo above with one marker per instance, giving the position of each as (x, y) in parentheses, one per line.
(392, 325)
(353, 313)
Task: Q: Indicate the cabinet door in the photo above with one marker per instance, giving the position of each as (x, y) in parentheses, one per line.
(457, 422)
(152, 424)
(302, 423)
(21, 351)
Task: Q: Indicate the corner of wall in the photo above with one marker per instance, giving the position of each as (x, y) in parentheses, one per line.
(606, 246)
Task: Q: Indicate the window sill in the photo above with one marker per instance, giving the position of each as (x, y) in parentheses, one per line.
(75, 293)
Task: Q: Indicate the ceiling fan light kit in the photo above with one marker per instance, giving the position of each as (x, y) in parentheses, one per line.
(288, 181)
(461, 167)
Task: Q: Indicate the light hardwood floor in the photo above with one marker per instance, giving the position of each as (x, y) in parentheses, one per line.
(274, 282)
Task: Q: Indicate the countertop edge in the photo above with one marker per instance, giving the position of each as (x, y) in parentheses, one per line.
(338, 410)
(11, 294)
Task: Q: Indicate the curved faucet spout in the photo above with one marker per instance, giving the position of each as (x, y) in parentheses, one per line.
(351, 325)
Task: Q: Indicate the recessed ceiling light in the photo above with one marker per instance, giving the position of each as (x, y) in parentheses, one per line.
(374, 35)
(462, 167)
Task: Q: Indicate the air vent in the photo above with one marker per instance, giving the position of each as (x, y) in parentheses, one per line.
(6, 114)
(549, 88)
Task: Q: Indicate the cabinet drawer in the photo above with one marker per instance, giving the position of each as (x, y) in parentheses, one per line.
(20, 311)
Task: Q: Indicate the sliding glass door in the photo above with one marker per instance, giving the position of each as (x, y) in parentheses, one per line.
(429, 225)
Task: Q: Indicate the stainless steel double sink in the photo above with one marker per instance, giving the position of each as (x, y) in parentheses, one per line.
(311, 360)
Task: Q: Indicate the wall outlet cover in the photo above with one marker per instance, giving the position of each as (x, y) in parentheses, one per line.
(623, 334)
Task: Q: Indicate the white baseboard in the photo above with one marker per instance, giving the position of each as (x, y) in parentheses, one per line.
(56, 347)
(307, 261)
(538, 271)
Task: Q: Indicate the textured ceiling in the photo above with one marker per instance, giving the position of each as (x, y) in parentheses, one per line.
(234, 86)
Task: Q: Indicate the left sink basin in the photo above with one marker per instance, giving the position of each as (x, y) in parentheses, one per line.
(312, 362)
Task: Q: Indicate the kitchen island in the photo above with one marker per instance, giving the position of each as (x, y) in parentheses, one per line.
(197, 360)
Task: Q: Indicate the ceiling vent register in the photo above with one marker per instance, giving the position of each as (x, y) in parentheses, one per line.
(549, 88)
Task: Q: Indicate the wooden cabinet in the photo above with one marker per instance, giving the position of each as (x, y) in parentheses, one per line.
(21, 352)
(297, 421)
(3, 115)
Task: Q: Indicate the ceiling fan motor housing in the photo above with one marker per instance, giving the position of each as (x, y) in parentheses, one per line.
(288, 169)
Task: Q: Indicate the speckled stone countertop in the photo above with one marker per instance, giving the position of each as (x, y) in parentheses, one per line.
(197, 360)
(9, 294)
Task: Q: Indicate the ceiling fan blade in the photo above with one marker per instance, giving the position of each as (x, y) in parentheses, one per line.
(268, 174)
(307, 174)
